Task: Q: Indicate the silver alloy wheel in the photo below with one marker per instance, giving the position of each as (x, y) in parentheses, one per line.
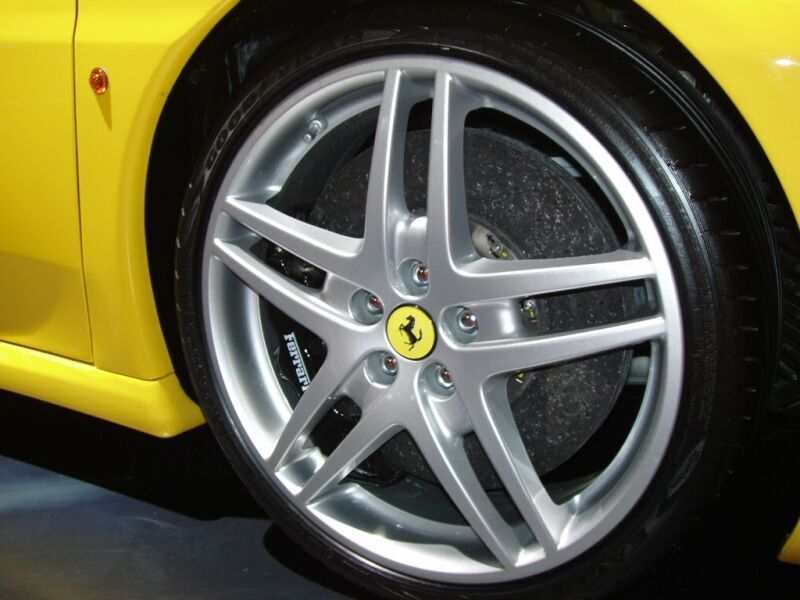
(486, 546)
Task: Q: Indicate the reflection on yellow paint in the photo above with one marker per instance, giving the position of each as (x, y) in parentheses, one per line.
(42, 297)
(791, 551)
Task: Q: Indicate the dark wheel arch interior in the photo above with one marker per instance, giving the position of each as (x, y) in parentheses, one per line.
(254, 31)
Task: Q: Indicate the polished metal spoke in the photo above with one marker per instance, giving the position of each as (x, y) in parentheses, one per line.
(375, 427)
(297, 301)
(315, 402)
(386, 208)
(449, 236)
(520, 354)
(484, 279)
(325, 249)
(494, 424)
(337, 293)
(445, 455)
(362, 389)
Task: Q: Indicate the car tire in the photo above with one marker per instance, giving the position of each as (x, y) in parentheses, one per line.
(641, 367)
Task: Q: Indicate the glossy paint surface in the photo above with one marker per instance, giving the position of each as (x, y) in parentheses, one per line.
(142, 46)
(156, 407)
(752, 49)
(42, 298)
(48, 229)
(791, 550)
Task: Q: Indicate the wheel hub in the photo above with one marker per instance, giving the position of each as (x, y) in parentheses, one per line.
(411, 332)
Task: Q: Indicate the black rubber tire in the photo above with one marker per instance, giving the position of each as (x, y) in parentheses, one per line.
(664, 135)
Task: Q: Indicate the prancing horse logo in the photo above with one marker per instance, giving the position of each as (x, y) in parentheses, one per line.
(408, 329)
(411, 332)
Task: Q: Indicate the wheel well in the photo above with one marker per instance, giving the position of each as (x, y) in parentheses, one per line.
(254, 31)
(242, 41)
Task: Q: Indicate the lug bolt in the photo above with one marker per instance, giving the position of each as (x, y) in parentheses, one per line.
(389, 364)
(444, 378)
(421, 274)
(467, 321)
(374, 304)
(313, 130)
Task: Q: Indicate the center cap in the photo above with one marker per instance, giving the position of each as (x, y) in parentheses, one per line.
(411, 332)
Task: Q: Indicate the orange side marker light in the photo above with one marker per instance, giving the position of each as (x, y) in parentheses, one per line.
(98, 79)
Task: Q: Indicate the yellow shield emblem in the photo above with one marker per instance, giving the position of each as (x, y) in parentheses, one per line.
(411, 332)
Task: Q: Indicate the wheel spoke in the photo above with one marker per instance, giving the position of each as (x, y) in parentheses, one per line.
(374, 428)
(485, 280)
(447, 459)
(312, 406)
(337, 293)
(386, 206)
(325, 249)
(508, 355)
(362, 390)
(449, 238)
(297, 301)
(497, 432)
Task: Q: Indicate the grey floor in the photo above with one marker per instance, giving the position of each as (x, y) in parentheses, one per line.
(90, 510)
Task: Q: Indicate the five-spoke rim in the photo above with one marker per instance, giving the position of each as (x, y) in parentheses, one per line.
(484, 545)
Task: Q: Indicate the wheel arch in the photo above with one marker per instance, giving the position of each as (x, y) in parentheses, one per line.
(253, 31)
(114, 137)
(239, 44)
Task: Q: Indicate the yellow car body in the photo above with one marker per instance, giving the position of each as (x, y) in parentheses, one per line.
(78, 319)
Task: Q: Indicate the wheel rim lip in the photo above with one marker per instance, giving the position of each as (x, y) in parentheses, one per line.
(623, 482)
